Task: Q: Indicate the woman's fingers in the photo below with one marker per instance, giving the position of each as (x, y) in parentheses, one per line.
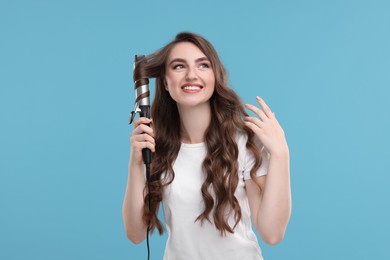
(143, 138)
(143, 129)
(260, 113)
(141, 141)
(142, 120)
(143, 135)
(255, 128)
(141, 125)
(265, 107)
(264, 113)
(255, 121)
(141, 145)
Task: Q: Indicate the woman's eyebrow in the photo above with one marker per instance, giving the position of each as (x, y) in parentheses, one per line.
(177, 60)
(184, 61)
(202, 59)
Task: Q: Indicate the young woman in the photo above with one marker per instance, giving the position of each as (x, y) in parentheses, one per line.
(215, 169)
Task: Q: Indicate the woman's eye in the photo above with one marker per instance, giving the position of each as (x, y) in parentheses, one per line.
(178, 66)
(204, 66)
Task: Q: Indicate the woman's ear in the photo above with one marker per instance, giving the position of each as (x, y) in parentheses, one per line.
(165, 84)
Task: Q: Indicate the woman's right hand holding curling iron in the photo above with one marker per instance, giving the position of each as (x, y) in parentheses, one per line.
(141, 137)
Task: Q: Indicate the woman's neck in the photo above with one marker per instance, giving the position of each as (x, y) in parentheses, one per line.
(194, 123)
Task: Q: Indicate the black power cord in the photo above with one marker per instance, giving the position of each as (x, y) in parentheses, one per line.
(149, 200)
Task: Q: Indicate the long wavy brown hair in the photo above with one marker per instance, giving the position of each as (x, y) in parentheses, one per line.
(221, 162)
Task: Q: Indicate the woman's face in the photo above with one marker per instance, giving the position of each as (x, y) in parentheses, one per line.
(189, 78)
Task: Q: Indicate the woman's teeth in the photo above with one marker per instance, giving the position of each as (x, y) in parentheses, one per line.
(191, 88)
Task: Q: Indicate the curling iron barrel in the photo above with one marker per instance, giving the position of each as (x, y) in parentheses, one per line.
(141, 83)
(142, 102)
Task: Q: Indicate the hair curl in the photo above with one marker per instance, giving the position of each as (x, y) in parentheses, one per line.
(220, 164)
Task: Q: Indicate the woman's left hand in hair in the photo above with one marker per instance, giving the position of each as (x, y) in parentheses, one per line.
(267, 128)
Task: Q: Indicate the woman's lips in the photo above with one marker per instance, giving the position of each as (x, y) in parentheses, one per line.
(191, 87)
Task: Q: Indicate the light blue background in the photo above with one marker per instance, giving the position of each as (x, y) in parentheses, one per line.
(66, 92)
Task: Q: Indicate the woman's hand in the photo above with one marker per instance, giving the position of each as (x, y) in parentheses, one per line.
(267, 128)
(141, 137)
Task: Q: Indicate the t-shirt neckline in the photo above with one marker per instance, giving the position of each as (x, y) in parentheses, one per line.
(196, 145)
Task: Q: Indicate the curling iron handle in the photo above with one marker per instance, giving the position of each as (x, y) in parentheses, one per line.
(146, 153)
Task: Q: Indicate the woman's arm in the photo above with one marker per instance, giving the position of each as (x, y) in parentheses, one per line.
(133, 203)
(270, 196)
(270, 199)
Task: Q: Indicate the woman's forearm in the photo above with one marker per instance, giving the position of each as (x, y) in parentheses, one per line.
(133, 203)
(275, 209)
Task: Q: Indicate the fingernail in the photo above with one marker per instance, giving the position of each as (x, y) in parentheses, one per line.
(258, 98)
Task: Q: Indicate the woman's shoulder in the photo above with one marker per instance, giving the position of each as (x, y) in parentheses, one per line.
(241, 138)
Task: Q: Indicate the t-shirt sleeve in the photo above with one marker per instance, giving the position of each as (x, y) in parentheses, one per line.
(250, 161)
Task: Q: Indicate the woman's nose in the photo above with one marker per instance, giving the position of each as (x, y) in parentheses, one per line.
(191, 74)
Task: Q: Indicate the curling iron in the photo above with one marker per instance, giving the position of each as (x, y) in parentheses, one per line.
(142, 106)
(142, 101)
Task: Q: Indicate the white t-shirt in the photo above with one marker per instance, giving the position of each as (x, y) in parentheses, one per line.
(183, 203)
